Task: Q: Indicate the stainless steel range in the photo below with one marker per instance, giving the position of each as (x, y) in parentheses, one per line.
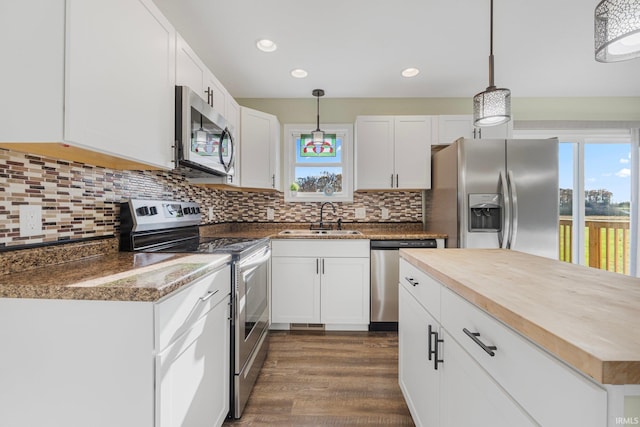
(169, 226)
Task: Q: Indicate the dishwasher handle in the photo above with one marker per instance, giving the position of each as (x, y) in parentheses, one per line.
(400, 244)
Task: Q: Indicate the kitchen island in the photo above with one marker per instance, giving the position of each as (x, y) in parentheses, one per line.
(521, 317)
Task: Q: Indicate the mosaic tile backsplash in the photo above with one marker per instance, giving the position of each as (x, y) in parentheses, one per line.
(80, 201)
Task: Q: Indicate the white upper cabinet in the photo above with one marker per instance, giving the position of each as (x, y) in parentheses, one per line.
(107, 84)
(260, 150)
(32, 83)
(393, 152)
(452, 127)
(119, 85)
(192, 72)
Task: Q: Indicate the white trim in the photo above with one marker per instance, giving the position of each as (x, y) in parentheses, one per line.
(291, 131)
(634, 228)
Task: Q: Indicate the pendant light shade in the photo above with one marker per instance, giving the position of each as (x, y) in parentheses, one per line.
(617, 30)
(493, 106)
(317, 135)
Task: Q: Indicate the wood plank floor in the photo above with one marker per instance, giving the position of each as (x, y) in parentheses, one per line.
(331, 378)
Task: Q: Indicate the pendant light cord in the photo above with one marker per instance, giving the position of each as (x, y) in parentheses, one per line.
(318, 113)
(491, 80)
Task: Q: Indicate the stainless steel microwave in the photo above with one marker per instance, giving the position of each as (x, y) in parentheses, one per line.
(204, 145)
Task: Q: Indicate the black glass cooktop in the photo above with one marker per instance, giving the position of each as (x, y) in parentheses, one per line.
(227, 245)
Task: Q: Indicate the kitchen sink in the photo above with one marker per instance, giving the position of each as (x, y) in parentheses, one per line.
(312, 233)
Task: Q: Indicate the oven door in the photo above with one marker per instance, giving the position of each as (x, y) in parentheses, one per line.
(251, 323)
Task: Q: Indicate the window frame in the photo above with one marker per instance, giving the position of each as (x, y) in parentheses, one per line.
(291, 132)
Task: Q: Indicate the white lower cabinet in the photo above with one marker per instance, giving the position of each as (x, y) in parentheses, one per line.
(320, 281)
(470, 397)
(419, 381)
(118, 363)
(508, 382)
(192, 373)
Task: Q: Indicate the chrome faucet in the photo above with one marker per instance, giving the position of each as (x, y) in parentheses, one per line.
(321, 212)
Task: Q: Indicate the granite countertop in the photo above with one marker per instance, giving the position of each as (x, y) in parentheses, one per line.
(271, 230)
(587, 317)
(122, 276)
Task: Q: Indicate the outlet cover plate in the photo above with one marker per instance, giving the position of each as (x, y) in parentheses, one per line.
(360, 213)
(30, 220)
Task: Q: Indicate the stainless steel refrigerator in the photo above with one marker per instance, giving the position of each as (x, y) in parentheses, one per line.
(497, 193)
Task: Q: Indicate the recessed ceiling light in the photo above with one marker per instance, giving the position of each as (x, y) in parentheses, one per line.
(299, 73)
(266, 45)
(410, 72)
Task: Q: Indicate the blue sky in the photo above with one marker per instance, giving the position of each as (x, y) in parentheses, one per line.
(606, 166)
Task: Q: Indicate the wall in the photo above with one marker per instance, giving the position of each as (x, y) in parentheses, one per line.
(337, 110)
(82, 201)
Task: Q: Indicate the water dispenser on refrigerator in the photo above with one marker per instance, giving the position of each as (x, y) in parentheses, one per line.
(485, 212)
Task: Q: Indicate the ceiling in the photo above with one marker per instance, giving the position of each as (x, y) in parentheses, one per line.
(357, 48)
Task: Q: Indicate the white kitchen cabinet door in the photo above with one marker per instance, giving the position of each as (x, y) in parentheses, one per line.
(503, 131)
(190, 70)
(412, 152)
(259, 150)
(374, 153)
(217, 93)
(233, 119)
(419, 381)
(120, 78)
(193, 374)
(345, 291)
(295, 290)
(452, 127)
(32, 84)
(470, 397)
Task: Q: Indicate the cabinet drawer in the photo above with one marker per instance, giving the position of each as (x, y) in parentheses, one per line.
(419, 284)
(179, 311)
(553, 393)
(353, 248)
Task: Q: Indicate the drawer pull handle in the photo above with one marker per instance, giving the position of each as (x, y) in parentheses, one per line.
(490, 349)
(208, 295)
(411, 280)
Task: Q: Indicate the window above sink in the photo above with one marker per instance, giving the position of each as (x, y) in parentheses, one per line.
(320, 173)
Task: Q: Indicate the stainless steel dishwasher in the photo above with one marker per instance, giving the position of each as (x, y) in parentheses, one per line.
(385, 261)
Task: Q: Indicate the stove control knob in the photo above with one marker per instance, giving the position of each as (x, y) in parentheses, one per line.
(143, 210)
(197, 210)
(153, 210)
(187, 210)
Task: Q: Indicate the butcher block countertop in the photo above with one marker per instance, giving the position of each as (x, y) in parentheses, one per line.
(587, 317)
(123, 276)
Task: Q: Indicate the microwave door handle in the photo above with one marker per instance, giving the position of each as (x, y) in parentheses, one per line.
(232, 146)
(220, 149)
(226, 134)
(506, 202)
(514, 213)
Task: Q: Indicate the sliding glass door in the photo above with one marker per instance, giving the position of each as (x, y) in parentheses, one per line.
(598, 174)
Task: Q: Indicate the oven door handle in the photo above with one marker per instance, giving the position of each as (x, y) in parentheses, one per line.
(252, 263)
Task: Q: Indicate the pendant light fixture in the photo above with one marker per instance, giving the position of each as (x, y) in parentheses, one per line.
(493, 106)
(617, 30)
(317, 135)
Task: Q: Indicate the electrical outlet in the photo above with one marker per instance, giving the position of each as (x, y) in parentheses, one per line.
(384, 213)
(30, 220)
(360, 213)
(210, 213)
(270, 214)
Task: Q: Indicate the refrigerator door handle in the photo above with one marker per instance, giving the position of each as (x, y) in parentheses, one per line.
(514, 202)
(506, 201)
